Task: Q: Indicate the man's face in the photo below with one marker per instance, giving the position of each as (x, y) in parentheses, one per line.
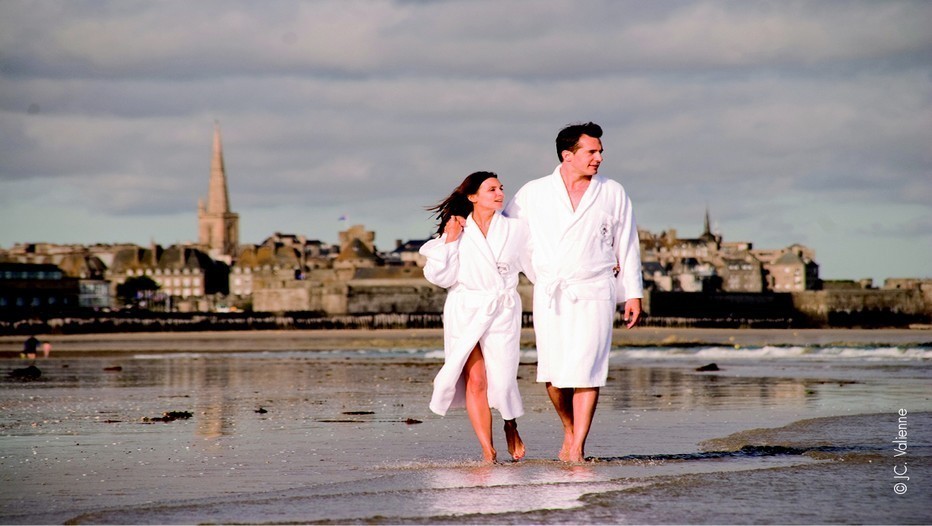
(586, 159)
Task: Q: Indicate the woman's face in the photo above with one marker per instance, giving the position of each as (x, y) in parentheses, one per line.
(491, 196)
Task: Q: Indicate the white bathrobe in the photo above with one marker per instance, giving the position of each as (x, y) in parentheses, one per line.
(482, 306)
(574, 255)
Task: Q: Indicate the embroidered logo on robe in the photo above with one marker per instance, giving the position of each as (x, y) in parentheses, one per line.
(605, 231)
(502, 268)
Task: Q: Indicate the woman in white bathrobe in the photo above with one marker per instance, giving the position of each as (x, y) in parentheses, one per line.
(477, 258)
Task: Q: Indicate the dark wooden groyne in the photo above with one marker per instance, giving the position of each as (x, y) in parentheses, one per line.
(120, 322)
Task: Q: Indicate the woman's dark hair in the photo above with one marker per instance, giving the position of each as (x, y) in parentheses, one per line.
(458, 203)
(568, 138)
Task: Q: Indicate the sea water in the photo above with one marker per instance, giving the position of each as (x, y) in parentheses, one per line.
(774, 435)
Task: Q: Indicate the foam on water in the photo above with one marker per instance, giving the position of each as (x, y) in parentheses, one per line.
(870, 354)
(767, 352)
(656, 354)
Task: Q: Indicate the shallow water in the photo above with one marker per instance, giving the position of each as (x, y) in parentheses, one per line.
(345, 436)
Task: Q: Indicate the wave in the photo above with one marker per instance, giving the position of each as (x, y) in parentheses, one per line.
(655, 354)
(870, 354)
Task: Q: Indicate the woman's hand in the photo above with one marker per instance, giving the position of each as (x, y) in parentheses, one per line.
(454, 228)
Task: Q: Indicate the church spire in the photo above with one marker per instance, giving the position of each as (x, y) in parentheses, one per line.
(218, 227)
(218, 199)
(707, 234)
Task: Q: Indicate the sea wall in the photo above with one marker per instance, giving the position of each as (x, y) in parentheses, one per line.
(368, 292)
(376, 303)
(720, 305)
(814, 308)
(863, 308)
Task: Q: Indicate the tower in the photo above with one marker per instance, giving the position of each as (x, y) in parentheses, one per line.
(218, 228)
(707, 226)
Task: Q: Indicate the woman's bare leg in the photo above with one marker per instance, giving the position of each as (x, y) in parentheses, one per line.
(477, 402)
(515, 444)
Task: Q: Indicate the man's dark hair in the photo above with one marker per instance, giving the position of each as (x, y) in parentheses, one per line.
(568, 138)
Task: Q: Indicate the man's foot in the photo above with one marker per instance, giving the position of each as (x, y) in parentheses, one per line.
(515, 444)
(566, 449)
(573, 455)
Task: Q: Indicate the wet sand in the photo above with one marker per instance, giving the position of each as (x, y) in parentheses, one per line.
(248, 341)
(309, 427)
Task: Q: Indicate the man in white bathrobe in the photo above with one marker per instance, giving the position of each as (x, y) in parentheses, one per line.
(585, 252)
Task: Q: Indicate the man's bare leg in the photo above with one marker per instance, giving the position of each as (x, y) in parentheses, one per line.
(477, 402)
(515, 444)
(585, 400)
(562, 400)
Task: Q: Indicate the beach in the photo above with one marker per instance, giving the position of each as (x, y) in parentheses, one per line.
(795, 427)
(270, 340)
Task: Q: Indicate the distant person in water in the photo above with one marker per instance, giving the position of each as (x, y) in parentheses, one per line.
(477, 258)
(31, 347)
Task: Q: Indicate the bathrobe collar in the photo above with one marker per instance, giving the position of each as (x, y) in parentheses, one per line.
(492, 244)
(588, 198)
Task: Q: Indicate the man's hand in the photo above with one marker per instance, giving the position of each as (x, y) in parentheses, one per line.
(632, 312)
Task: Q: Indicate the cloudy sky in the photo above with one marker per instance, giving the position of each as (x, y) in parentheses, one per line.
(792, 122)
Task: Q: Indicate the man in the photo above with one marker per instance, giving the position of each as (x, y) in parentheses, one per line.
(585, 252)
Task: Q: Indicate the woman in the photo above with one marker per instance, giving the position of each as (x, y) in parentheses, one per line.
(477, 257)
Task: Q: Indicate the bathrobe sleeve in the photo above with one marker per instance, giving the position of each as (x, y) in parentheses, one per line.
(524, 254)
(628, 284)
(443, 261)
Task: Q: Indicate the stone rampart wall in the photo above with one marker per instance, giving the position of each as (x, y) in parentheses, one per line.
(862, 307)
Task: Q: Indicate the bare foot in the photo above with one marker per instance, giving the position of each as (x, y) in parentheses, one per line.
(489, 456)
(515, 444)
(566, 448)
(573, 455)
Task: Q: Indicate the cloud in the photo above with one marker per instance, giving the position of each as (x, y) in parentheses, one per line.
(517, 38)
(758, 110)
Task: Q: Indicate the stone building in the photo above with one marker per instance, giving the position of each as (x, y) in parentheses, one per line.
(708, 263)
(35, 287)
(186, 275)
(357, 250)
(218, 227)
(280, 258)
(740, 272)
(406, 254)
(358, 281)
(791, 269)
(74, 262)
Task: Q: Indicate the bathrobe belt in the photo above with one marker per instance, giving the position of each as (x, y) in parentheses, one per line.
(496, 298)
(565, 287)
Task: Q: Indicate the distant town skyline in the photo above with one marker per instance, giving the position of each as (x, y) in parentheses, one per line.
(790, 122)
